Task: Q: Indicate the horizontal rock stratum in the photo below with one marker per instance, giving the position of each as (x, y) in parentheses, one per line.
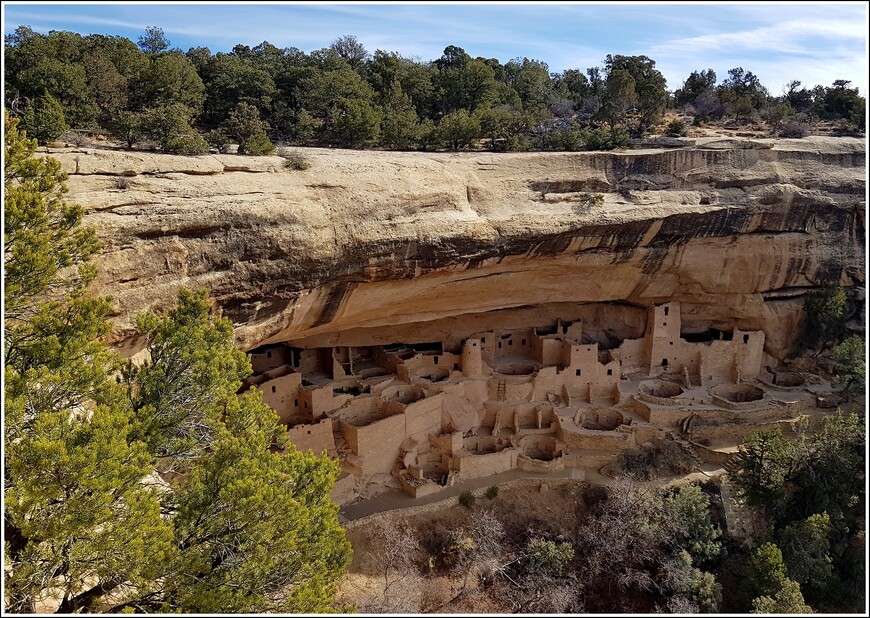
(370, 247)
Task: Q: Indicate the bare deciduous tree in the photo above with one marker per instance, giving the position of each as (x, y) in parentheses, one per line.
(394, 547)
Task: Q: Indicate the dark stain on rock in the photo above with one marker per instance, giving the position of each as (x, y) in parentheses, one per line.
(334, 300)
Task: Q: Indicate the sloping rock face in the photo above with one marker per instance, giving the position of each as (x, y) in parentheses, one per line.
(367, 248)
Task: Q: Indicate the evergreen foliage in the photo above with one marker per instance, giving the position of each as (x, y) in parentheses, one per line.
(344, 96)
(44, 119)
(153, 488)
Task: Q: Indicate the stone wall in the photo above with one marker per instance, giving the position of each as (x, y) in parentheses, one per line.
(282, 395)
(316, 437)
(377, 444)
(423, 418)
(470, 466)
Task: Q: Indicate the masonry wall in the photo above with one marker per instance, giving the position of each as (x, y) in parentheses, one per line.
(388, 360)
(425, 364)
(270, 359)
(547, 351)
(476, 466)
(633, 356)
(472, 358)
(548, 380)
(376, 444)
(423, 418)
(663, 335)
(536, 465)
(589, 439)
(316, 401)
(282, 395)
(316, 437)
(515, 387)
(750, 351)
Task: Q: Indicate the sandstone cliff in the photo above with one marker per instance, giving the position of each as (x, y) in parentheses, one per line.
(375, 247)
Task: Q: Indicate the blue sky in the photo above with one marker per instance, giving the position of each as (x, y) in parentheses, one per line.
(814, 42)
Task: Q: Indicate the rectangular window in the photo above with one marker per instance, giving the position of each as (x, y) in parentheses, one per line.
(523, 342)
(273, 388)
(436, 360)
(499, 345)
(483, 339)
(296, 402)
(510, 342)
(578, 372)
(456, 366)
(610, 372)
(745, 338)
(666, 310)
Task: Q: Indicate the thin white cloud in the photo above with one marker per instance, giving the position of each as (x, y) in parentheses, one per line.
(93, 20)
(787, 37)
(86, 20)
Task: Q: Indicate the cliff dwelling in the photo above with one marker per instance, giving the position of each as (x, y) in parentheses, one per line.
(428, 319)
(540, 399)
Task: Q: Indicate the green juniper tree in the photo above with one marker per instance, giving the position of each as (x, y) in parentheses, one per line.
(246, 523)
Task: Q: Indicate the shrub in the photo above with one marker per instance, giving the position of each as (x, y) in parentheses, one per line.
(467, 499)
(547, 556)
(514, 143)
(458, 130)
(258, 145)
(217, 139)
(593, 199)
(794, 129)
(571, 139)
(492, 492)
(676, 128)
(186, 144)
(296, 161)
(600, 139)
(44, 119)
(76, 137)
(127, 126)
(825, 312)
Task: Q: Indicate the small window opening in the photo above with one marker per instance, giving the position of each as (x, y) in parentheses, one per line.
(436, 360)
(273, 388)
(745, 338)
(664, 362)
(578, 372)
(667, 309)
(610, 372)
